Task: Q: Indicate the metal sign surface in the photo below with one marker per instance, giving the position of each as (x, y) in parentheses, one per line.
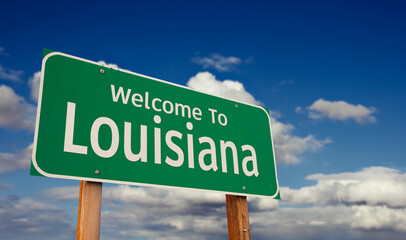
(101, 124)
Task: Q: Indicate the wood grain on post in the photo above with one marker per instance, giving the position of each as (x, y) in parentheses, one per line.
(237, 218)
(89, 213)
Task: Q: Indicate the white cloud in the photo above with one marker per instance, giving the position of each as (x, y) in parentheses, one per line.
(175, 200)
(336, 222)
(11, 162)
(287, 146)
(34, 83)
(165, 213)
(207, 82)
(379, 217)
(371, 186)
(10, 74)
(298, 110)
(218, 62)
(110, 65)
(15, 112)
(31, 219)
(156, 213)
(341, 110)
(369, 204)
(161, 213)
(61, 194)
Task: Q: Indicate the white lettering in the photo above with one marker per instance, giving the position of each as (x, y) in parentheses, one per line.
(154, 106)
(182, 107)
(69, 129)
(157, 140)
(137, 98)
(120, 93)
(94, 137)
(190, 150)
(223, 148)
(175, 148)
(207, 157)
(253, 159)
(127, 144)
(146, 100)
(213, 111)
(197, 113)
(168, 103)
(211, 151)
(224, 121)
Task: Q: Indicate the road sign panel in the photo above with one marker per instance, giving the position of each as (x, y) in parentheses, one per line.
(96, 123)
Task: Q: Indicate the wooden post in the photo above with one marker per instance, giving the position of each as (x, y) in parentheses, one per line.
(237, 218)
(89, 213)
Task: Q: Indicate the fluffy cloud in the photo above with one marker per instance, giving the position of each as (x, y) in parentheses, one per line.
(11, 162)
(368, 204)
(156, 213)
(287, 146)
(34, 83)
(15, 112)
(61, 194)
(336, 222)
(161, 213)
(378, 217)
(31, 219)
(10, 74)
(367, 210)
(218, 62)
(370, 186)
(341, 110)
(207, 82)
(175, 200)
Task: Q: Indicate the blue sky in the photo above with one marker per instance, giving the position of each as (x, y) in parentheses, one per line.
(331, 72)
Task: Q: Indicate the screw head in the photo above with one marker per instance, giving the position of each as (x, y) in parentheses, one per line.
(236, 106)
(244, 188)
(97, 172)
(101, 70)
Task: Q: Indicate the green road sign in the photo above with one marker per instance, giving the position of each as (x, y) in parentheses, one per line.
(96, 123)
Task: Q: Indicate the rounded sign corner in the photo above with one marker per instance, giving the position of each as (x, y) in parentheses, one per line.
(37, 168)
(49, 54)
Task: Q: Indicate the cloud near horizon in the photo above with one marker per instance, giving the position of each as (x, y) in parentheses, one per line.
(373, 186)
(342, 205)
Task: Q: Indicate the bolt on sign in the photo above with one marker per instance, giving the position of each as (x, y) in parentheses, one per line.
(101, 124)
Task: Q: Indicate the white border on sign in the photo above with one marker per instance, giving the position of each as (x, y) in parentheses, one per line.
(34, 161)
